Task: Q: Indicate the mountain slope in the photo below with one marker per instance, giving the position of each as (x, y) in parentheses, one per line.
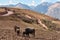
(11, 5)
(23, 6)
(43, 7)
(19, 5)
(54, 10)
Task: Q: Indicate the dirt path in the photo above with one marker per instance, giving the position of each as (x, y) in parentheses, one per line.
(38, 21)
(9, 13)
(42, 24)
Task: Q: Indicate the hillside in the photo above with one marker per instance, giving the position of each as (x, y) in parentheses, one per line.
(47, 28)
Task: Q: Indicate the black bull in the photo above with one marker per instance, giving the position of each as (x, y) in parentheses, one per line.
(29, 31)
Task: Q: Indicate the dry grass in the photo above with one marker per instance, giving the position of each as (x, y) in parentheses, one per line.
(7, 26)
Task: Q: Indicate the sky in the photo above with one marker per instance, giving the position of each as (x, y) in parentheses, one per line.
(27, 2)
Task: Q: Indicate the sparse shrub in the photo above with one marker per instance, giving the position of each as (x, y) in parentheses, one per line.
(27, 20)
(57, 19)
(49, 24)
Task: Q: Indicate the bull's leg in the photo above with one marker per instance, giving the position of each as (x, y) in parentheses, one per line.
(33, 34)
(18, 33)
(28, 35)
(24, 34)
(15, 29)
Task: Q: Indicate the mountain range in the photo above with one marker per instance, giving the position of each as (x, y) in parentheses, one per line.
(39, 8)
(23, 6)
(50, 9)
(43, 7)
(19, 5)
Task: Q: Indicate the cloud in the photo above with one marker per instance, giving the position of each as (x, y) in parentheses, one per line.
(12, 2)
(9, 2)
(43, 1)
(32, 3)
(49, 1)
(2, 4)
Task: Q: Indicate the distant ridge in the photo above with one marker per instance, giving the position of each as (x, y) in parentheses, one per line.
(23, 6)
(43, 7)
(54, 10)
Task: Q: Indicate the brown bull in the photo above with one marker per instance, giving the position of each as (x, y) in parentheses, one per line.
(17, 30)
